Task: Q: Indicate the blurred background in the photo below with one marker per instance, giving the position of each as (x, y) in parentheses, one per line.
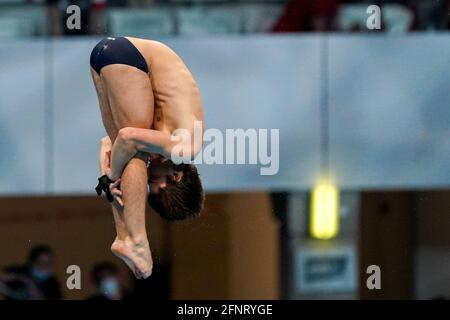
(366, 111)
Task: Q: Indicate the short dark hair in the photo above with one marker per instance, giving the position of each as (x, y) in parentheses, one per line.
(102, 267)
(180, 199)
(37, 250)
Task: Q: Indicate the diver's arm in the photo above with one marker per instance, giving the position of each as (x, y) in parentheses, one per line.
(104, 148)
(131, 141)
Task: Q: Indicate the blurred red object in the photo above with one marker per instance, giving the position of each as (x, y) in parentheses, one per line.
(307, 15)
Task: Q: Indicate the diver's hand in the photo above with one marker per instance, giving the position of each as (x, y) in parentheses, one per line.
(114, 189)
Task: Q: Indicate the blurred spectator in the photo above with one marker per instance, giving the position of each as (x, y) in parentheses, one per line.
(431, 15)
(41, 270)
(18, 287)
(54, 18)
(308, 15)
(106, 280)
(36, 279)
(97, 23)
(444, 17)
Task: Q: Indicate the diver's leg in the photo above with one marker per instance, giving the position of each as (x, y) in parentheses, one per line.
(130, 98)
(111, 130)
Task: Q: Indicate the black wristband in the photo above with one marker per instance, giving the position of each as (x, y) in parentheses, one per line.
(103, 185)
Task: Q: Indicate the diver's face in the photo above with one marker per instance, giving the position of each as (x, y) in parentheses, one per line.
(159, 171)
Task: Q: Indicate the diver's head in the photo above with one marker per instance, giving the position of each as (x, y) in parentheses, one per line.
(176, 191)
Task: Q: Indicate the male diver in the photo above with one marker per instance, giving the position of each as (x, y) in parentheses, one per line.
(146, 93)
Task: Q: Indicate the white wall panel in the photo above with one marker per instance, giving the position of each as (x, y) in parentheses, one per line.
(390, 111)
(22, 117)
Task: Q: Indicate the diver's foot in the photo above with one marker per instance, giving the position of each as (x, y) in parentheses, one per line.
(136, 255)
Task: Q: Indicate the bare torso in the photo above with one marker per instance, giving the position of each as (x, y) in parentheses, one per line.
(177, 98)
